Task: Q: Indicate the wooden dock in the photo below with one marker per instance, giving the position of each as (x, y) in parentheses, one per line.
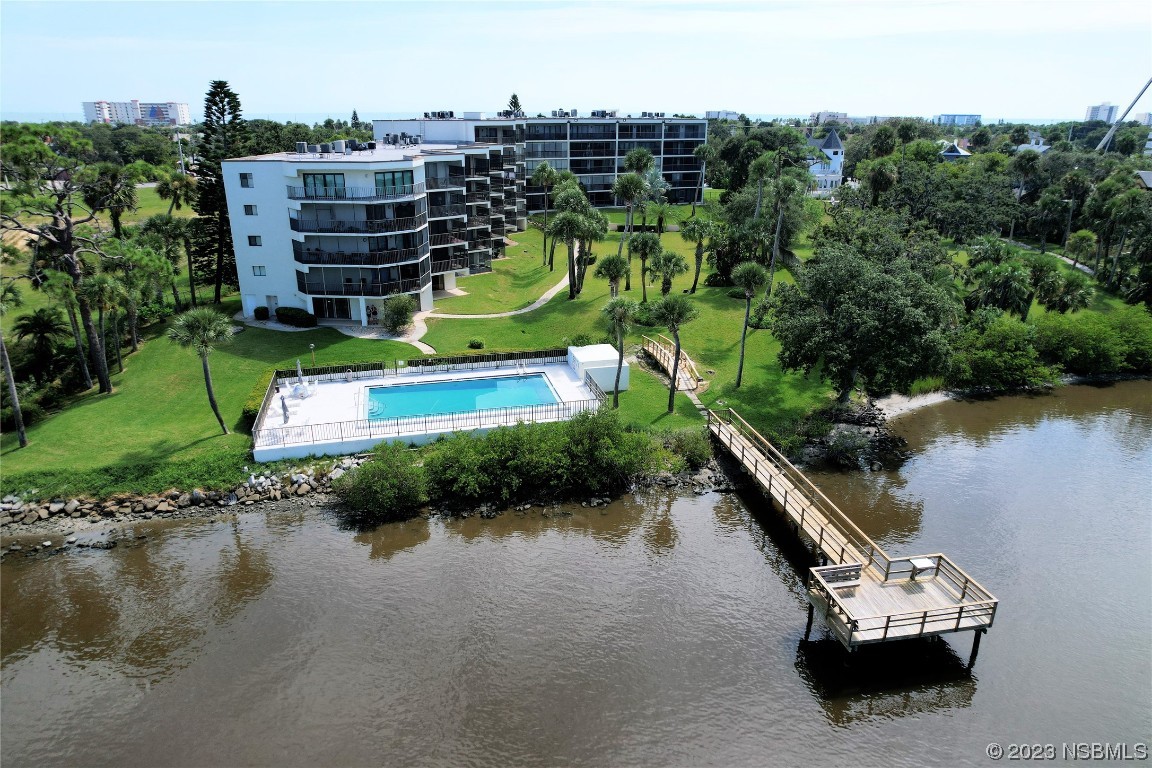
(863, 594)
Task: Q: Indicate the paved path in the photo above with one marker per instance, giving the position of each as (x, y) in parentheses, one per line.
(414, 332)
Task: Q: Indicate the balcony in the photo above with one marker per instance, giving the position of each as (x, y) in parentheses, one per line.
(319, 256)
(478, 197)
(446, 211)
(449, 265)
(366, 227)
(475, 222)
(359, 194)
(447, 238)
(539, 154)
(477, 170)
(315, 288)
(453, 181)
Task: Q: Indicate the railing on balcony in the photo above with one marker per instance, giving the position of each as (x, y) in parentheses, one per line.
(452, 181)
(448, 265)
(477, 168)
(478, 221)
(536, 154)
(477, 197)
(447, 238)
(364, 289)
(479, 245)
(444, 211)
(369, 226)
(354, 193)
(357, 258)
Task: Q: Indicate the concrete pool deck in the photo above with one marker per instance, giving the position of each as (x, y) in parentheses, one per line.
(332, 419)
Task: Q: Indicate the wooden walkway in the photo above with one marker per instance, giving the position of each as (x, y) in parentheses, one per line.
(863, 594)
(662, 350)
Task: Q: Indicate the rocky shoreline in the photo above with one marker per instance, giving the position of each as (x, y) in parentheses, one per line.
(58, 525)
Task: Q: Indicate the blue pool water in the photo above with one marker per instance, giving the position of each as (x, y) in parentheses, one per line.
(463, 395)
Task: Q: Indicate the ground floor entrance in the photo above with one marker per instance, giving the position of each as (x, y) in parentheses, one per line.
(331, 309)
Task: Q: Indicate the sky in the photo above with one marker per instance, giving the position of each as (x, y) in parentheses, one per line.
(1010, 59)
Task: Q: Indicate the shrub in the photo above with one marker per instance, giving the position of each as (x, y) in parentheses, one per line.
(389, 487)
(1081, 344)
(30, 413)
(692, 445)
(296, 317)
(1000, 355)
(581, 340)
(251, 410)
(1134, 327)
(925, 385)
(397, 313)
(260, 313)
(475, 343)
(588, 455)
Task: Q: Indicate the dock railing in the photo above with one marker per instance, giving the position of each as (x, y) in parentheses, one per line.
(833, 531)
(688, 378)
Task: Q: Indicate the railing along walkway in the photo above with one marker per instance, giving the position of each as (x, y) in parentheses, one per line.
(662, 352)
(863, 594)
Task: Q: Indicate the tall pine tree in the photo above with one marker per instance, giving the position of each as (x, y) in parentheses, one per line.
(224, 132)
(514, 103)
(355, 121)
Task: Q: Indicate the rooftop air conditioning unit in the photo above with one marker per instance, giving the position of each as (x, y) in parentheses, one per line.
(659, 114)
(555, 113)
(451, 114)
(372, 145)
(301, 147)
(573, 113)
(313, 148)
(416, 139)
(427, 115)
(338, 146)
(325, 148)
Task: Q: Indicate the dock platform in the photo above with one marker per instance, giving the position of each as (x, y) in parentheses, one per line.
(863, 594)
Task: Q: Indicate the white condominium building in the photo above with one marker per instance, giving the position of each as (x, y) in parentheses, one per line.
(335, 229)
(592, 147)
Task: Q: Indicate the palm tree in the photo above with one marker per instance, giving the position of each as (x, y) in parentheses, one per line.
(621, 312)
(1007, 286)
(645, 245)
(1025, 166)
(1080, 244)
(203, 329)
(44, 327)
(105, 292)
(544, 176)
(1125, 210)
(786, 189)
(178, 188)
(612, 268)
(569, 226)
(761, 169)
(661, 210)
(163, 235)
(694, 231)
(10, 297)
(905, 131)
(749, 276)
(596, 230)
(673, 311)
(705, 153)
(143, 273)
(631, 189)
(639, 161)
(1075, 293)
(58, 286)
(114, 190)
(667, 265)
(881, 175)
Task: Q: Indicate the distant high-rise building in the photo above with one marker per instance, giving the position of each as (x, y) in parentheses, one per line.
(721, 114)
(959, 120)
(1144, 118)
(1105, 112)
(819, 118)
(137, 112)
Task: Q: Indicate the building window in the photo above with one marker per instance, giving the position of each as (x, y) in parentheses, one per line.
(394, 183)
(254, 240)
(249, 210)
(324, 185)
(259, 271)
(246, 180)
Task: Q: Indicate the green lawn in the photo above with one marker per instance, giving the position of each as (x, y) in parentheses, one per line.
(150, 204)
(514, 282)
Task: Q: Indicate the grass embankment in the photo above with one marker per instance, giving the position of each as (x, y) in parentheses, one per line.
(515, 282)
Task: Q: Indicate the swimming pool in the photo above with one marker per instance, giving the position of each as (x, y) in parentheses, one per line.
(439, 397)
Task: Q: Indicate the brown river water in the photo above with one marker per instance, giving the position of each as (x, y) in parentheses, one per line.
(666, 629)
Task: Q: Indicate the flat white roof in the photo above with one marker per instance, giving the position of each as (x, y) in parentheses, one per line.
(380, 154)
(595, 354)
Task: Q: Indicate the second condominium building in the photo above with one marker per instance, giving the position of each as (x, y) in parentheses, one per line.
(335, 229)
(591, 147)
